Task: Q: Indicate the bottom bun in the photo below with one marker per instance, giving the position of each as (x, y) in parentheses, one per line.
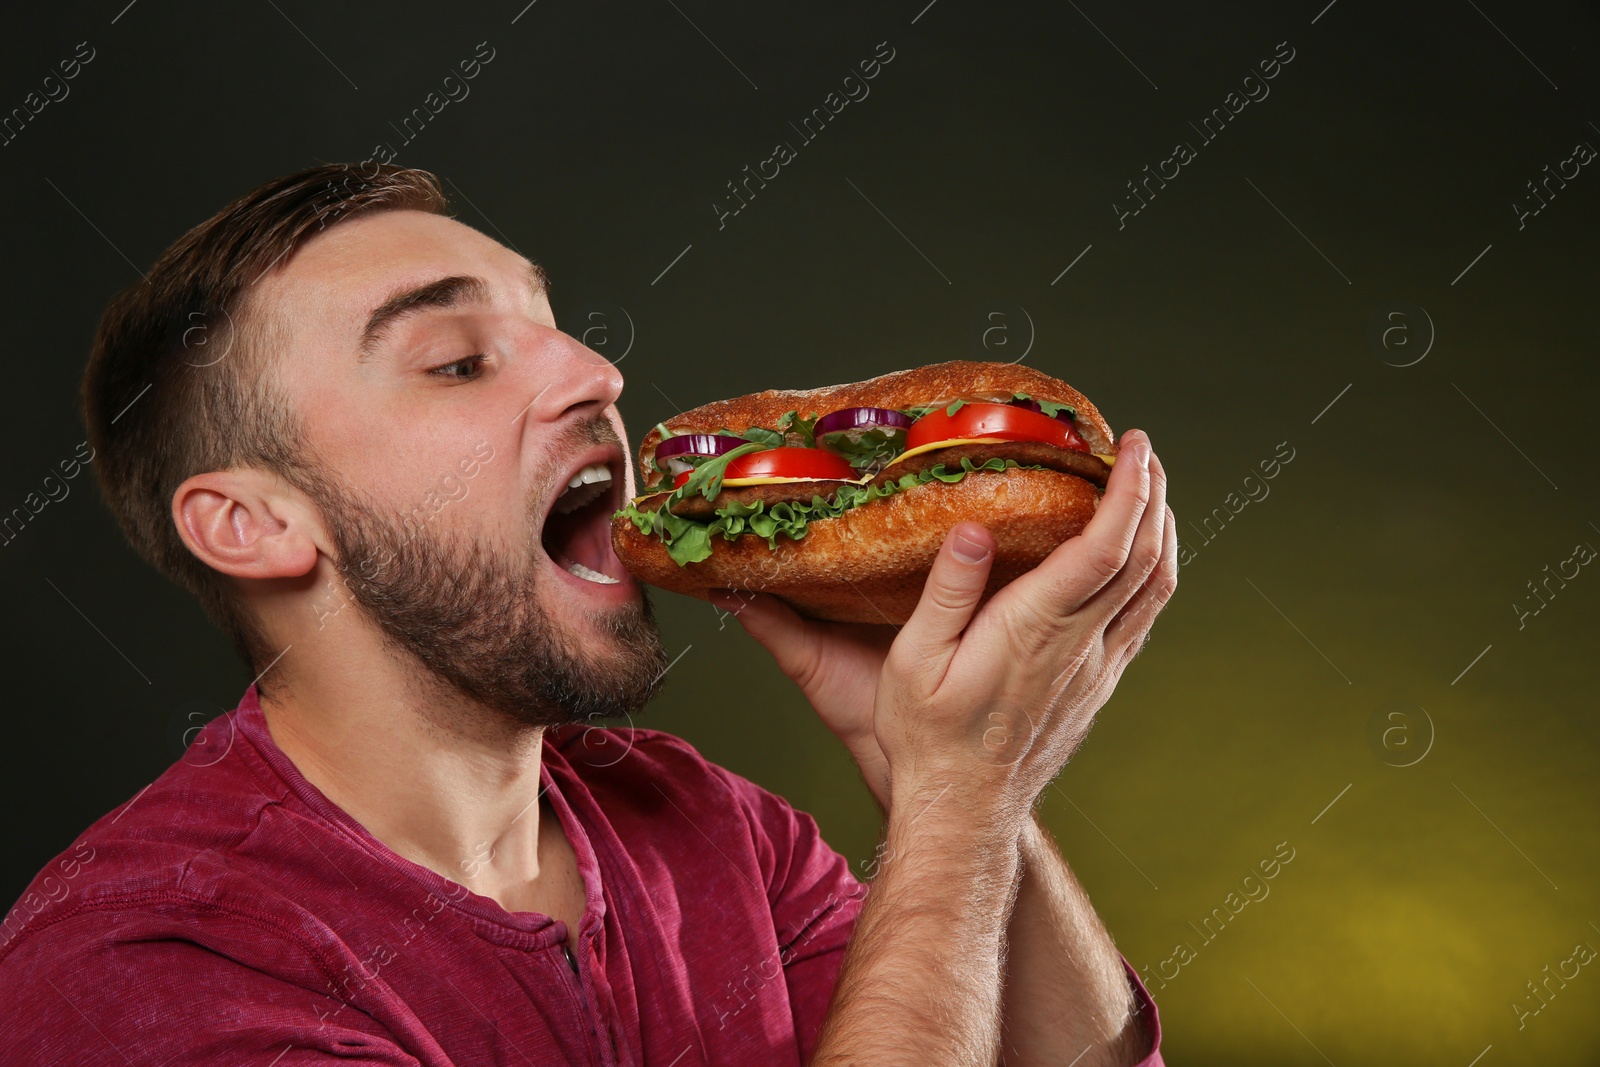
(870, 564)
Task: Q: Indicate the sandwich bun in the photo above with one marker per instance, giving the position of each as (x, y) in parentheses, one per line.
(870, 563)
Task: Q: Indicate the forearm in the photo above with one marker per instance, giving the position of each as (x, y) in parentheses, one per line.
(1067, 998)
(921, 981)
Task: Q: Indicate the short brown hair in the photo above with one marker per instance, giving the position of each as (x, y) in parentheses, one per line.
(180, 382)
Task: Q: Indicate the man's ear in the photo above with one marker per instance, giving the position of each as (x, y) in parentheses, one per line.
(247, 523)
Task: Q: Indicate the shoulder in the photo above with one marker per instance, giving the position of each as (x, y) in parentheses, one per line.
(102, 906)
(188, 846)
(176, 981)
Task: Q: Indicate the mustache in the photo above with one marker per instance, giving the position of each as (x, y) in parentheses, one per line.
(583, 435)
(595, 431)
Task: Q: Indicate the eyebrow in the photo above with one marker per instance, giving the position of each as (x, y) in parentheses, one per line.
(453, 291)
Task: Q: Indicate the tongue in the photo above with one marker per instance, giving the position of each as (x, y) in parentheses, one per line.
(583, 537)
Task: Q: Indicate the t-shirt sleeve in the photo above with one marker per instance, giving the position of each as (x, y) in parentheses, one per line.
(815, 899)
(110, 989)
(1145, 1006)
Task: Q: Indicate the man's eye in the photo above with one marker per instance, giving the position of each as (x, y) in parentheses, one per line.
(463, 369)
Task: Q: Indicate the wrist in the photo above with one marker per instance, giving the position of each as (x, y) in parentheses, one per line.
(960, 801)
(874, 768)
(946, 817)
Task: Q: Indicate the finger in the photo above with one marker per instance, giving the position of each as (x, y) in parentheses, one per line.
(1127, 632)
(1081, 566)
(954, 587)
(1143, 556)
(792, 640)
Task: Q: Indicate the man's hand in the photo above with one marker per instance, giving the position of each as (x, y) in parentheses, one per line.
(986, 707)
(1031, 670)
(994, 705)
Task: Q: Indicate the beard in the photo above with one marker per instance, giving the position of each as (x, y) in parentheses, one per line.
(476, 619)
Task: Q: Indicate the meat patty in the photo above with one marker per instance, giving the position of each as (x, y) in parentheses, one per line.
(1089, 467)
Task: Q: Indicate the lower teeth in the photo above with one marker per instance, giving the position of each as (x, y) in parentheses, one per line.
(588, 574)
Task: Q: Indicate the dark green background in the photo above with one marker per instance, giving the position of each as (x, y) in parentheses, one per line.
(996, 141)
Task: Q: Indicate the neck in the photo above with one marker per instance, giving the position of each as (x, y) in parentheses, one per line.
(441, 780)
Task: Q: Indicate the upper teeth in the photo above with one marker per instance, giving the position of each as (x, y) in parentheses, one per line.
(594, 472)
(583, 487)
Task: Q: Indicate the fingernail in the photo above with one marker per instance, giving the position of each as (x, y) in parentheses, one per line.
(1141, 448)
(968, 550)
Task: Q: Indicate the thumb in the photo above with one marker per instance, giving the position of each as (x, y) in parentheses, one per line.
(781, 630)
(955, 585)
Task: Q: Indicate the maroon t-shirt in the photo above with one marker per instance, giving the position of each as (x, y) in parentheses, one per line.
(230, 913)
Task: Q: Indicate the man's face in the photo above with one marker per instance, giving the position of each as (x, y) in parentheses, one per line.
(446, 429)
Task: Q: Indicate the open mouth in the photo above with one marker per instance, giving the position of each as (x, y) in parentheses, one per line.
(577, 530)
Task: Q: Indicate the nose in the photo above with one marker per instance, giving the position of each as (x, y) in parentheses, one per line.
(575, 377)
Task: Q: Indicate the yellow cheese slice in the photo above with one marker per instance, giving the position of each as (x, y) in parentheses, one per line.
(973, 441)
(920, 449)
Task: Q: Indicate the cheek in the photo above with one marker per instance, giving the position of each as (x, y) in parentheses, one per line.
(494, 501)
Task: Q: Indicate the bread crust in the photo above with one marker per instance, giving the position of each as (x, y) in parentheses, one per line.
(919, 387)
(870, 563)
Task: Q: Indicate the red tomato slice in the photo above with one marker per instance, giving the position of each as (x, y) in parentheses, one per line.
(1001, 421)
(786, 463)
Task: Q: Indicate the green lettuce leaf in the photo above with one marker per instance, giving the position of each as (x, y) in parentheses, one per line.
(762, 436)
(706, 477)
(1049, 407)
(789, 423)
(865, 449)
(689, 541)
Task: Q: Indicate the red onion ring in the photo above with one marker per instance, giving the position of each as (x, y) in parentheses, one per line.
(700, 445)
(862, 419)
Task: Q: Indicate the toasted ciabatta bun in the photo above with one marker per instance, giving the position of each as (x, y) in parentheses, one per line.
(870, 563)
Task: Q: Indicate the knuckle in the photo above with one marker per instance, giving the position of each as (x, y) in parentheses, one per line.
(1135, 647)
(948, 597)
(1169, 575)
(1146, 556)
(1028, 629)
(1106, 563)
(1145, 487)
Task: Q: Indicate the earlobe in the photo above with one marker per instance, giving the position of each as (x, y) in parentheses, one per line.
(243, 523)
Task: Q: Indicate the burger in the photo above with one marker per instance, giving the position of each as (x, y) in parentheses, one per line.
(837, 499)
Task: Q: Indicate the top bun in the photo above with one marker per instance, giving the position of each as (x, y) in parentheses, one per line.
(940, 383)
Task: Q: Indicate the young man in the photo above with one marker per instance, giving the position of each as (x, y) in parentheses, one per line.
(350, 425)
